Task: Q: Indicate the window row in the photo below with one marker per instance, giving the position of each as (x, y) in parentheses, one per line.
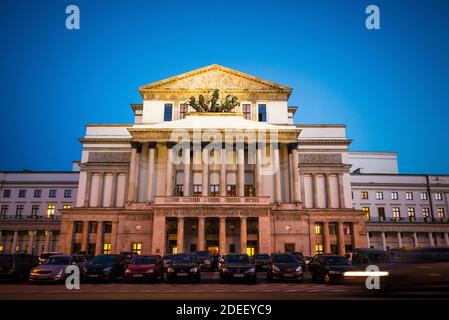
(333, 229)
(35, 210)
(395, 195)
(37, 193)
(396, 213)
(214, 190)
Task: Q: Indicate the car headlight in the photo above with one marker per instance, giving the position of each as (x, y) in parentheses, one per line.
(334, 272)
(225, 270)
(60, 272)
(170, 270)
(299, 269)
(275, 268)
(127, 271)
(252, 270)
(194, 269)
(108, 269)
(149, 271)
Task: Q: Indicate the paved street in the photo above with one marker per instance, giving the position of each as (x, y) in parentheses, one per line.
(210, 288)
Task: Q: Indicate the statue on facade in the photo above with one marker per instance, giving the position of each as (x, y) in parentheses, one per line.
(213, 105)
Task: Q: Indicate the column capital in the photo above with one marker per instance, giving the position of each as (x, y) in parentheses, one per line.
(136, 145)
(170, 144)
(292, 146)
(152, 144)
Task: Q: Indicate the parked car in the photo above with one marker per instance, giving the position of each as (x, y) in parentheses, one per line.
(183, 266)
(300, 258)
(16, 267)
(260, 261)
(284, 266)
(204, 259)
(88, 257)
(53, 269)
(237, 266)
(215, 262)
(148, 268)
(167, 260)
(330, 268)
(127, 256)
(44, 256)
(307, 260)
(105, 267)
(362, 258)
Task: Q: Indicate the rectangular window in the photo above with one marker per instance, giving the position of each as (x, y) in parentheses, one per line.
(319, 249)
(352, 195)
(394, 196)
(93, 227)
(333, 228)
(67, 193)
(346, 229)
(409, 196)
(107, 227)
(168, 112)
(366, 211)
(22, 193)
(424, 196)
(78, 227)
(179, 190)
(137, 248)
(364, 195)
(379, 195)
(396, 213)
(318, 229)
(262, 112)
(34, 210)
(381, 213)
(440, 213)
(183, 109)
(51, 208)
(289, 247)
(6, 193)
(246, 109)
(52, 193)
(197, 190)
(66, 206)
(438, 196)
(76, 247)
(4, 210)
(214, 190)
(19, 210)
(37, 193)
(426, 212)
(249, 190)
(411, 214)
(231, 190)
(91, 248)
(107, 248)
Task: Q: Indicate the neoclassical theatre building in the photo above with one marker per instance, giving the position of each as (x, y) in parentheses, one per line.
(225, 171)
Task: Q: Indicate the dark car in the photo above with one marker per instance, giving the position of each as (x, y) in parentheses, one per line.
(53, 269)
(167, 260)
(330, 268)
(183, 266)
(237, 266)
(45, 255)
(16, 267)
(147, 268)
(284, 266)
(362, 258)
(88, 257)
(307, 260)
(127, 256)
(300, 258)
(260, 261)
(204, 259)
(108, 267)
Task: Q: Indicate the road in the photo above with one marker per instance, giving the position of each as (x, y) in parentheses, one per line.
(209, 288)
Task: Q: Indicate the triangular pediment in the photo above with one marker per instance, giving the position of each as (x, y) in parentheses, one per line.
(215, 77)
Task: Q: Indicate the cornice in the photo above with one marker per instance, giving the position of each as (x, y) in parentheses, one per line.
(324, 142)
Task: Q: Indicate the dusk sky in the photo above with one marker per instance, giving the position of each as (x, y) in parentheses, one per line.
(389, 86)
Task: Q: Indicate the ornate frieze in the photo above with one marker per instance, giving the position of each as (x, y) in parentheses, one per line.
(109, 157)
(212, 212)
(313, 158)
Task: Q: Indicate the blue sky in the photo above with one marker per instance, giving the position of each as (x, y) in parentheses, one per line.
(389, 86)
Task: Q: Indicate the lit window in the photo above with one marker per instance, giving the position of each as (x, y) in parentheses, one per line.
(364, 195)
(411, 213)
(425, 212)
(262, 112)
(318, 229)
(440, 213)
(168, 111)
(37, 193)
(366, 211)
(66, 206)
(106, 248)
(346, 229)
(379, 195)
(409, 196)
(52, 193)
(22, 193)
(319, 249)
(51, 211)
(1, 247)
(249, 191)
(396, 213)
(137, 248)
(183, 109)
(394, 196)
(246, 109)
(438, 196)
(424, 196)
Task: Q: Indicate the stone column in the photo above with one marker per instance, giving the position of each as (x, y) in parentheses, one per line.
(100, 190)
(415, 239)
(265, 234)
(150, 177)
(201, 233)
(240, 170)
(398, 236)
(132, 173)
(205, 173)
(312, 237)
(169, 171)
(114, 237)
(223, 172)
(186, 161)
(446, 238)
(341, 239)
(85, 236)
(243, 235)
(355, 235)
(30, 241)
(258, 172)
(368, 242)
(296, 176)
(341, 192)
(99, 240)
(222, 238)
(327, 244)
(159, 235)
(114, 189)
(384, 242)
(180, 235)
(328, 191)
(48, 238)
(14, 242)
(431, 239)
(277, 175)
(314, 191)
(87, 189)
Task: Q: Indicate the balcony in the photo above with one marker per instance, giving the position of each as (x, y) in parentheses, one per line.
(20, 218)
(265, 200)
(407, 220)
